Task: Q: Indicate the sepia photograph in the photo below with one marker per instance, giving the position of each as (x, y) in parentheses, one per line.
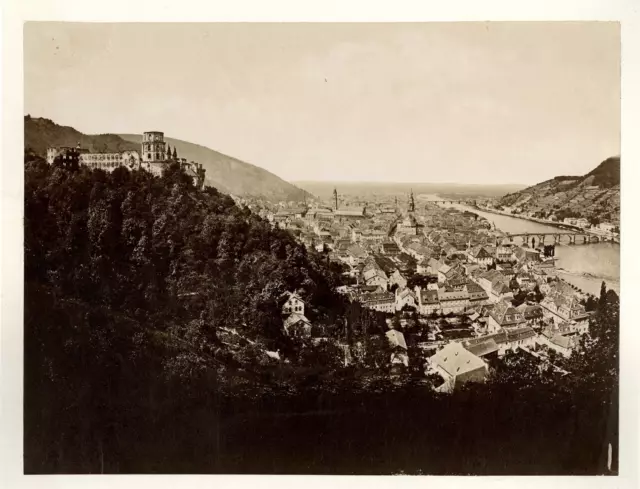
(322, 248)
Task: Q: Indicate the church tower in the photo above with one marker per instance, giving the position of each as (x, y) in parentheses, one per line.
(335, 199)
(412, 203)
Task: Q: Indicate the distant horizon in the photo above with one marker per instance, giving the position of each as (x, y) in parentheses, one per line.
(318, 181)
(293, 182)
(389, 182)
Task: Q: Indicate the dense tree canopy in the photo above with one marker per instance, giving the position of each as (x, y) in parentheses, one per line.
(150, 310)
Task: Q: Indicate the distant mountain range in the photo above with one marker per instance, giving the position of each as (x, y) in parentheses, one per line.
(448, 190)
(595, 196)
(227, 174)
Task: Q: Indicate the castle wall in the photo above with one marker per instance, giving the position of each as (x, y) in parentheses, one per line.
(110, 161)
(154, 158)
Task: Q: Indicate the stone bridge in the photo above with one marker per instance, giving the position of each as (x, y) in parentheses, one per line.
(571, 237)
(473, 202)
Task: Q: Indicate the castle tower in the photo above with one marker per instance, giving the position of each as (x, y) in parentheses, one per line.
(153, 146)
(335, 199)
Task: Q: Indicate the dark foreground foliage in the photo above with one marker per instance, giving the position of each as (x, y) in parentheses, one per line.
(130, 283)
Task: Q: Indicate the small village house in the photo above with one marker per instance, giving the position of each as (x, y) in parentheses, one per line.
(456, 365)
(293, 304)
(504, 315)
(297, 325)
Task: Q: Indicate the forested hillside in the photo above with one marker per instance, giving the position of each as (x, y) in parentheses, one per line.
(40, 134)
(227, 174)
(151, 325)
(594, 196)
(231, 175)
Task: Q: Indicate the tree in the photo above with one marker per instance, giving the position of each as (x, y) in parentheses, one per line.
(590, 303)
(538, 296)
(395, 321)
(513, 284)
(517, 368)
(149, 310)
(603, 295)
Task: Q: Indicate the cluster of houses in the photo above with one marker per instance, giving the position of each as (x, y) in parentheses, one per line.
(555, 324)
(603, 228)
(441, 263)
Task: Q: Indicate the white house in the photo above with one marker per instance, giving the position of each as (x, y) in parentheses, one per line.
(375, 276)
(504, 315)
(520, 337)
(423, 267)
(606, 227)
(294, 304)
(399, 348)
(396, 339)
(380, 301)
(559, 339)
(398, 279)
(583, 223)
(428, 302)
(504, 252)
(456, 365)
(481, 256)
(453, 301)
(297, 325)
(442, 272)
(406, 297)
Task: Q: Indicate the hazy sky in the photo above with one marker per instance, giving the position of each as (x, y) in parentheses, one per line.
(438, 102)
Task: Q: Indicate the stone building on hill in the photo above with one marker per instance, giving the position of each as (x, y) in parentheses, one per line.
(154, 157)
(73, 157)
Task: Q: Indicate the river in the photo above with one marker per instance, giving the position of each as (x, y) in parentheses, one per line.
(586, 265)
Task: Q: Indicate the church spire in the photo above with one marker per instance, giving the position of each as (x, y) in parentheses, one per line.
(412, 203)
(335, 198)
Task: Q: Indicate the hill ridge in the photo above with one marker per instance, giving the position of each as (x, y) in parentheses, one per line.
(226, 173)
(594, 196)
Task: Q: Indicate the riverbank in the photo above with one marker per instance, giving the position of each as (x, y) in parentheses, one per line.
(600, 234)
(585, 266)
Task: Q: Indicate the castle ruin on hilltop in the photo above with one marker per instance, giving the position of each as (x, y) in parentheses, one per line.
(155, 156)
